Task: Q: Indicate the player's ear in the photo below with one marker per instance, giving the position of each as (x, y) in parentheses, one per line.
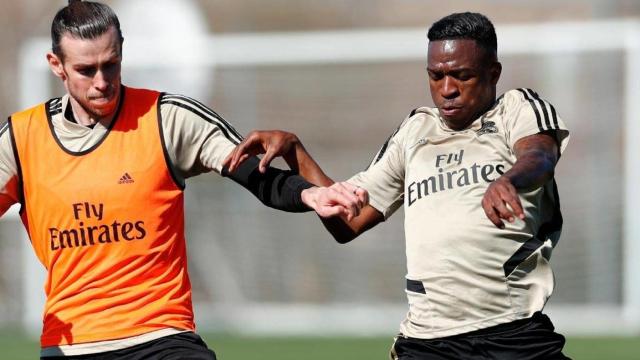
(496, 70)
(56, 66)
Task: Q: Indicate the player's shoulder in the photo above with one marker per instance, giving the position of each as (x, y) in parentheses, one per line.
(179, 101)
(527, 101)
(4, 127)
(419, 117)
(55, 106)
(416, 119)
(422, 122)
(187, 107)
(423, 113)
(52, 106)
(186, 113)
(521, 96)
(403, 132)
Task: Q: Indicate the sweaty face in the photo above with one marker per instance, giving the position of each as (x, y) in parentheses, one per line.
(92, 73)
(462, 80)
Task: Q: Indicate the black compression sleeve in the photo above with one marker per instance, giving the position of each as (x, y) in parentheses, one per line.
(279, 189)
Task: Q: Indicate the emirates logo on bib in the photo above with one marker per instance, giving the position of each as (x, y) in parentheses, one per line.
(125, 179)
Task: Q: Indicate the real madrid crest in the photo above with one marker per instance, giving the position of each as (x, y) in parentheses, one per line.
(487, 127)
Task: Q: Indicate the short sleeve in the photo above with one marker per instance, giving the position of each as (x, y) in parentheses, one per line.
(9, 187)
(197, 138)
(384, 178)
(528, 114)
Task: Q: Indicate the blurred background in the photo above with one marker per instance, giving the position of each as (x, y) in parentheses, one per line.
(342, 75)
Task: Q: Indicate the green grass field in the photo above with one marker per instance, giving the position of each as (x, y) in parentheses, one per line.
(16, 346)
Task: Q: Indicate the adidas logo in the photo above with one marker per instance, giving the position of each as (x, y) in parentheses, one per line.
(125, 179)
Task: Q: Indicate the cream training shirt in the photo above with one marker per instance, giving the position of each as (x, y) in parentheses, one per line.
(464, 273)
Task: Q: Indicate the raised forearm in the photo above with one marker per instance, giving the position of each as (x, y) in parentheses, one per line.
(536, 160)
(531, 171)
(341, 202)
(274, 143)
(537, 156)
(301, 161)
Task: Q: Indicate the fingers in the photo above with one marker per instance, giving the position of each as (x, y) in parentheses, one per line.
(332, 202)
(342, 196)
(279, 143)
(331, 211)
(516, 206)
(326, 201)
(353, 203)
(501, 202)
(242, 159)
(250, 146)
(238, 155)
(359, 194)
(272, 143)
(266, 159)
(340, 199)
(229, 157)
(363, 195)
(491, 213)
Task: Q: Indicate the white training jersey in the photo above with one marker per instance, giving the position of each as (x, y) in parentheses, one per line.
(464, 273)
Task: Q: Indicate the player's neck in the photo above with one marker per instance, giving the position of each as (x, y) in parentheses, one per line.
(87, 118)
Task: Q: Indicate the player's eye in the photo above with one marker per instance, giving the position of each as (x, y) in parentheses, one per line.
(86, 71)
(111, 65)
(464, 76)
(435, 75)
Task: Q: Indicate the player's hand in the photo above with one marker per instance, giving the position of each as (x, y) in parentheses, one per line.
(271, 143)
(501, 202)
(340, 199)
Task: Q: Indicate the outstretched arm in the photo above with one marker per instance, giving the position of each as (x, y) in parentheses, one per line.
(197, 137)
(342, 226)
(284, 190)
(274, 143)
(537, 156)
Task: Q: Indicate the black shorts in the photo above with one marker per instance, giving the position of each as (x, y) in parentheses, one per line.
(527, 339)
(183, 346)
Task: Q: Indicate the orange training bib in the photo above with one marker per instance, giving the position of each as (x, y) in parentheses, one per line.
(108, 225)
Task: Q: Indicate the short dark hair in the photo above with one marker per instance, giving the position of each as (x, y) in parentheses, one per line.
(466, 25)
(82, 20)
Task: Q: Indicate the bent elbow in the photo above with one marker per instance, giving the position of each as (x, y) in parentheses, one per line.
(344, 239)
(342, 234)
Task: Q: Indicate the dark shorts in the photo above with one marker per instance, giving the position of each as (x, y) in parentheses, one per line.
(183, 346)
(527, 339)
